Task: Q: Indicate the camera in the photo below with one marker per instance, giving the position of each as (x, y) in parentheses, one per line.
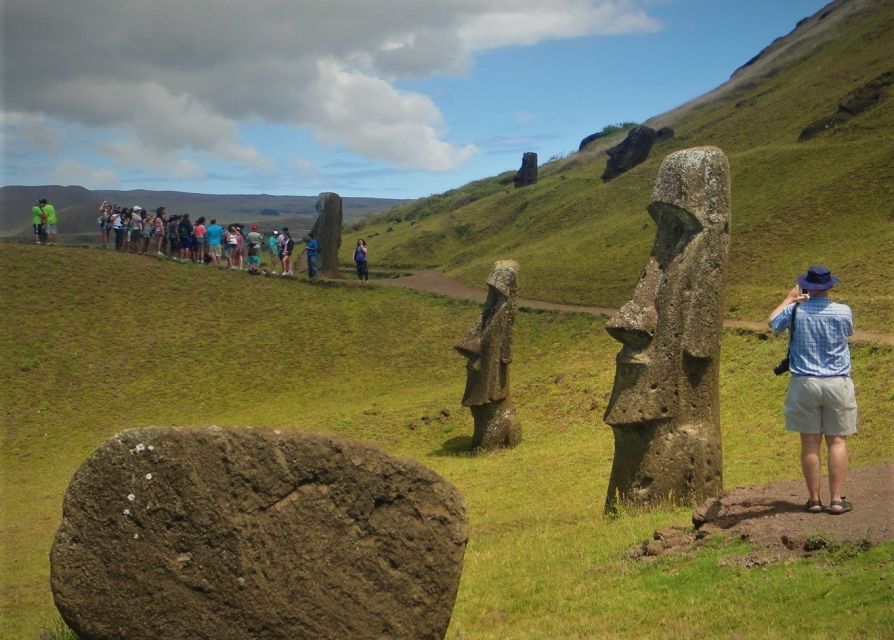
(782, 367)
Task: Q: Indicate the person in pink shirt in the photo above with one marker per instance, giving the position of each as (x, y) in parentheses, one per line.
(199, 233)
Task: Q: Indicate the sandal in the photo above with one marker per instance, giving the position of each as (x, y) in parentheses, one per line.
(843, 506)
(813, 506)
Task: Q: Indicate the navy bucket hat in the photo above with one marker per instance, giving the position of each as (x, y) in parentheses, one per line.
(817, 278)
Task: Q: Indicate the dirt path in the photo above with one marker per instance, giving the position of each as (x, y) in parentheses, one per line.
(433, 281)
(772, 517)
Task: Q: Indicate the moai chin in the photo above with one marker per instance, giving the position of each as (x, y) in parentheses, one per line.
(664, 407)
(327, 231)
(488, 347)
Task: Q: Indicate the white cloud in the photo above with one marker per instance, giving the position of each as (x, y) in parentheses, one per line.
(31, 130)
(70, 172)
(182, 76)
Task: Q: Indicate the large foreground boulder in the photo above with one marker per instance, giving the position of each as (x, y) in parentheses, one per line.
(243, 533)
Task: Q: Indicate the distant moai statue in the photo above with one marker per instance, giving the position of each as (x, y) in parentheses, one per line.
(527, 174)
(327, 231)
(664, 407)
(488, 347)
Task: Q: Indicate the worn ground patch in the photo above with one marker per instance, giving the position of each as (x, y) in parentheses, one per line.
(772, 518)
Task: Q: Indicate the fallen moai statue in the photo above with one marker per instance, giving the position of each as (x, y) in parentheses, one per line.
(246, 533)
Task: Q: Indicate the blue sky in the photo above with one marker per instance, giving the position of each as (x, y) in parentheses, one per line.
(397, 98)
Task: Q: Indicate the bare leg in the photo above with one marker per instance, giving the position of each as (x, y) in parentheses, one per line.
(837, 464)
(810, 462)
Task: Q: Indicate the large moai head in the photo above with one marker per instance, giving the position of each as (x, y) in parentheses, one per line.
(667, 373)
(327, 231)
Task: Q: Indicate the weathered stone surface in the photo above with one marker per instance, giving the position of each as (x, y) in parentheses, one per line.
(243, 533)
(488, 347)
(631, 151)
(527, 174)
(664, 407)
(327, 231)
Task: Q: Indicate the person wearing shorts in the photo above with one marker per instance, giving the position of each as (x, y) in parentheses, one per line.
(820, 401)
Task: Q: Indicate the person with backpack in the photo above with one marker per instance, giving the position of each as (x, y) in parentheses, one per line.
(361, 256)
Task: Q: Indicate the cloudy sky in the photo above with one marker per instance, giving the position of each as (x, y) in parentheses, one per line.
(389, 98)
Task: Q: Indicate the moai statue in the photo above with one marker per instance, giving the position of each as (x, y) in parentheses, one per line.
(327, 231)
(527, 174)
(488, 346)
(664, 405)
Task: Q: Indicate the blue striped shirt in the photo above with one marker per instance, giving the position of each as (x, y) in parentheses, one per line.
(820, 347)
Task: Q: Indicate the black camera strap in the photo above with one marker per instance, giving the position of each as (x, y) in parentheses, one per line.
(791, 333)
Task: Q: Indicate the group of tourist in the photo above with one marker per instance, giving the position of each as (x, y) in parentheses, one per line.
(177, 236)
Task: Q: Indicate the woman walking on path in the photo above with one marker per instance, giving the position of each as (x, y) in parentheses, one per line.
(361, 255)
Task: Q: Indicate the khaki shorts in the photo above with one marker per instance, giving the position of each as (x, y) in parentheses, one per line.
(821, 405)
(214, 250)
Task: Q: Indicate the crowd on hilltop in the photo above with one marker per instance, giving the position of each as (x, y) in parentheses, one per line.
(178, 237)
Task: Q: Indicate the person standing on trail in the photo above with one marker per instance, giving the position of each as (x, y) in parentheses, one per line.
(286, 246)
(254, 240)
(361, 255)
(312, 249)
(52, 220)
(214, 240)
(273, 250)
(820, 400)
(40, 218)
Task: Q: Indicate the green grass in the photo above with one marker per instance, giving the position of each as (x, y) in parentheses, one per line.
(582, 241)
(99, 342)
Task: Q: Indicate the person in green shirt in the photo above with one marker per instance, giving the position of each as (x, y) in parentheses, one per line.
(37, 221)
(52, 220)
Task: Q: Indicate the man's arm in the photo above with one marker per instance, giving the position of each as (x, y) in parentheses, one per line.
(792, 296)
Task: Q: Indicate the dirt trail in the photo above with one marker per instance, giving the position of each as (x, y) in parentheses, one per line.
(433, 281)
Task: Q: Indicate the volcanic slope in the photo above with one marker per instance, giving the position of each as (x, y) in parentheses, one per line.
(95, 342)
(826, 199)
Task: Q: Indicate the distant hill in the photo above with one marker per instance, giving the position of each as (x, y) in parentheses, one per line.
(77, 207)
(797, 199)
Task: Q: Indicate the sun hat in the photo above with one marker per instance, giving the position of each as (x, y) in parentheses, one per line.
(817, 278)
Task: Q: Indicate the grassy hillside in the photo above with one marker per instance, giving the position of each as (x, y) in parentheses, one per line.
(96, 342)
(583, 241)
